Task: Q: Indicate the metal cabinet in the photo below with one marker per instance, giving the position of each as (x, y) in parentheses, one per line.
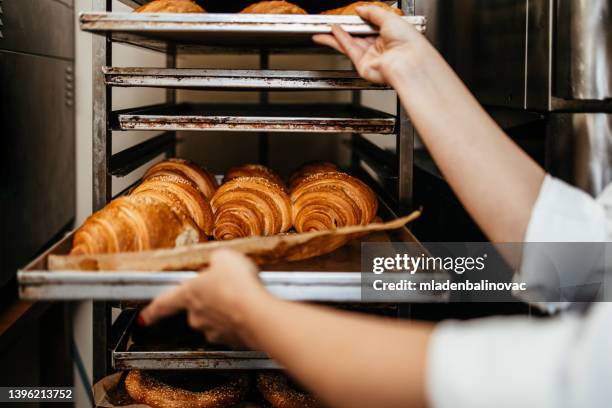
(39, 27)
(36, 127)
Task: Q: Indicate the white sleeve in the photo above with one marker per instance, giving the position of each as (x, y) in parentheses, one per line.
(517, 362)
(557, 274)
(563, 213)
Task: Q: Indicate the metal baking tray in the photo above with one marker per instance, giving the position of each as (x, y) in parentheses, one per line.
(330, 278)
(190, 352)
(236, 79)
(319, 118)
(333, 277)
(216, 32)
(172, 345)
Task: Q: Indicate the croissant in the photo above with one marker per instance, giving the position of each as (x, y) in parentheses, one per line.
(350, 10)
(133, 223)
(253, 170)
(170, 6)
(273, 7)
(247, 206)
(203, 179)
(308, 169)
(326, 201)
(182, 196)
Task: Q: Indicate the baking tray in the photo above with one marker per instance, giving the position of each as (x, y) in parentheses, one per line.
(221, 32)
(172, 345)
(236, 79)
(318, 118)
(334, 277)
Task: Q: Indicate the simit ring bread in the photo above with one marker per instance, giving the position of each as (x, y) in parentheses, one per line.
(159, 389)
(276, 389)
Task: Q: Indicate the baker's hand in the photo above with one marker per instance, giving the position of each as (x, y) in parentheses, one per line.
(375, 58)
(216, 301)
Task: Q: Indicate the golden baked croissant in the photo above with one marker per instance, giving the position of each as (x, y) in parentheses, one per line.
(182, 196)
(133, 223)
(170, 6)
(248, 206)
(253, 170)
(205, 181)
(273, 7)
(350, 10)
(308, 169)
(326, 201)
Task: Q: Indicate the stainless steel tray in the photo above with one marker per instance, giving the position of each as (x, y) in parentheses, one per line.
(173, 346)
(330, 278)
(158, 354)
(334, 277)
(319, 118)
(235, 79)
(219, 31)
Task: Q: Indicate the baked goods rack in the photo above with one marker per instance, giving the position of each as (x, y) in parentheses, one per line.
(331, 278)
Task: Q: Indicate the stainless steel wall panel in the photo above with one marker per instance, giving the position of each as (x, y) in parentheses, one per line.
(38, 151)
(580, 149)
(484, 41)
(37, 27)
(539, 54)
(500, 48)
(584, 49)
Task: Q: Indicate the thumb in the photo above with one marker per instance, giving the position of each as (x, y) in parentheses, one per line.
(375, 15)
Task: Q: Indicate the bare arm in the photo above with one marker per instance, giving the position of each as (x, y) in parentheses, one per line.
(349, 360)
(346, 359)
(494, 179)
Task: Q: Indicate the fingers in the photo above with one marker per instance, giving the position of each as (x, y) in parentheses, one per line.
(328, 40)
(375, 15)
(348, 44)
(165, 305)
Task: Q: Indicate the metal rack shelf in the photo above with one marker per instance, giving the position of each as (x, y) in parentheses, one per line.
(214, 31)
(326, 278)
(236, 79)
(172, 345)
(335, 277)
(320, 118)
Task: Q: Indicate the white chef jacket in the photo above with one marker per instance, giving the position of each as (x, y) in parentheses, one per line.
(523, 362)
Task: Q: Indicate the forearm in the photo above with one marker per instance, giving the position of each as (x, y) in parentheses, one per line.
(495, 180)
(347, 359)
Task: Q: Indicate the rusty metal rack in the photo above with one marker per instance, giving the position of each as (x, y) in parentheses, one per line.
(239, 79)
(215, 31)
(389, 172)
(321, 118)
(140, 348)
